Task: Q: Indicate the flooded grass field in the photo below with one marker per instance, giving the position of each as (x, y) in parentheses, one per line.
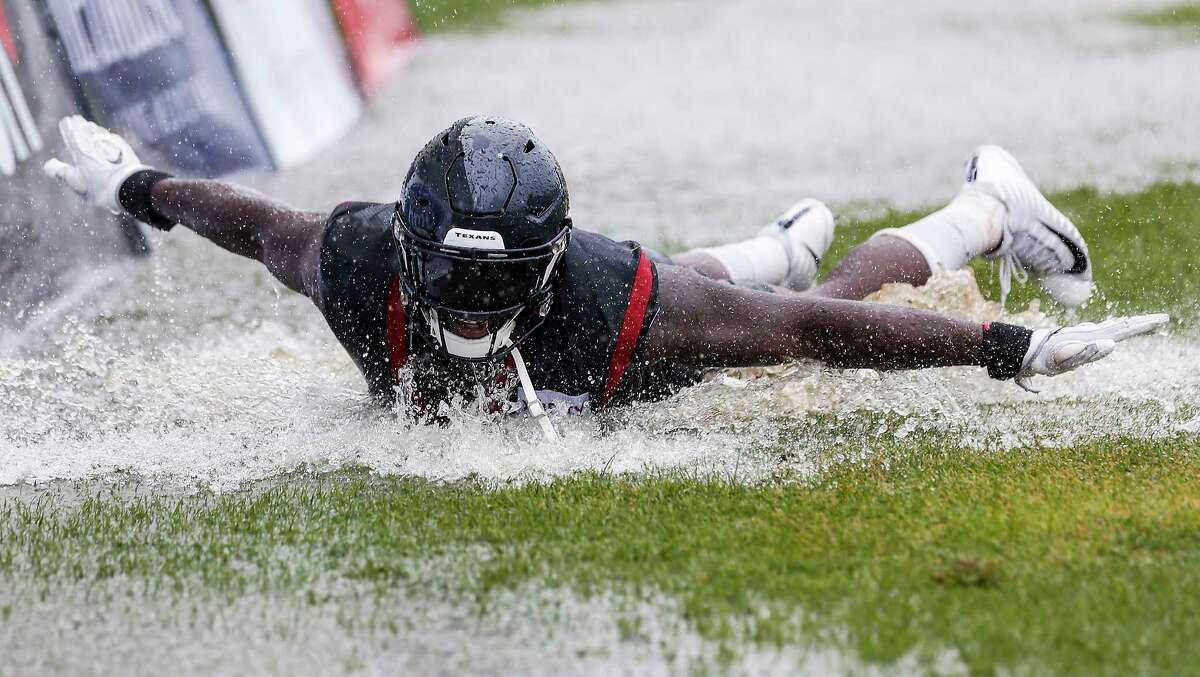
(921, 555)
(191, 478)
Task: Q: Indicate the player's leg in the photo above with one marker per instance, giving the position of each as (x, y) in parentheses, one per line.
(787, 251)
(971, 225)
(872, 264)
(999, 213)
(784, 253)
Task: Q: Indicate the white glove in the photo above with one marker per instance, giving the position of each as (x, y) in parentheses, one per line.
(1055, 351)
(101, 163)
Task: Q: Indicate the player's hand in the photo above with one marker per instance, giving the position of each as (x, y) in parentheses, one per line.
(1056, 351)
(100, 162)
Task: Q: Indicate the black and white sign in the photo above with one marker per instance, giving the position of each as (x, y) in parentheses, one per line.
(19, 136)
(154, 72)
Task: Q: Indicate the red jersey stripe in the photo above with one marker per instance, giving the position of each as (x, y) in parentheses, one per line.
(631, 327)
(397, 330)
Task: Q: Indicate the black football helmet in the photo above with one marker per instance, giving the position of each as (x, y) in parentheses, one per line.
(481, 227)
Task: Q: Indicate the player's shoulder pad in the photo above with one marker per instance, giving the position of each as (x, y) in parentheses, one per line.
(357, 233)
(350, 207)
(356, 220)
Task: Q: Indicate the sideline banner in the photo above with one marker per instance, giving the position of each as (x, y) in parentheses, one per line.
(50, 243)
(154, 71)
(19, 135)
(291, 63)
(6, 39)
(378, 33)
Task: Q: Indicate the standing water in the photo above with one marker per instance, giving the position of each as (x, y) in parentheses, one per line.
(196, 368)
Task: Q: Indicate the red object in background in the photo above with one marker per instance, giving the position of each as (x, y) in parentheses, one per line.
(6, 37)
(377, 33)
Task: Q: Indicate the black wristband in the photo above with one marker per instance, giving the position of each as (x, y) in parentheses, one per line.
(1004, 348)
(135, 197)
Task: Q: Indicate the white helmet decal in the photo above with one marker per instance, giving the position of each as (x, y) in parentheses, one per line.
(475, 239)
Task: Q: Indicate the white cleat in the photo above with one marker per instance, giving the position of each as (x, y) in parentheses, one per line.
(807, 231)
(1038, 240)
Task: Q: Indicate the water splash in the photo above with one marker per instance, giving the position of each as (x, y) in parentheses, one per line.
(196, 370)
(270, 401)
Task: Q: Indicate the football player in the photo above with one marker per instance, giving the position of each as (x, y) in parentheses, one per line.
(476, 282)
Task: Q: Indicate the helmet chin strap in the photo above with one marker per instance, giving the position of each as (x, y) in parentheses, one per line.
(531, 399)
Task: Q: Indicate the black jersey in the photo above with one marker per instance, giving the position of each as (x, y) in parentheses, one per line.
(585, 353)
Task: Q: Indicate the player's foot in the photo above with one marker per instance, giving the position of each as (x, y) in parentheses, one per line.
(806, 230)
(1038, 240)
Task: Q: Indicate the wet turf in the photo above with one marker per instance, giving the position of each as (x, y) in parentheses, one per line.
(1068, 561)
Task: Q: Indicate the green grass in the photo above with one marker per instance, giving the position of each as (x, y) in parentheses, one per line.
(1083, 561)
(1145, 248)
(1181, 16)
(456, 15)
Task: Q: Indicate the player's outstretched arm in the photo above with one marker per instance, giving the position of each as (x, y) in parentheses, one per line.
(104, 170)
(705, 322)
(286, 240)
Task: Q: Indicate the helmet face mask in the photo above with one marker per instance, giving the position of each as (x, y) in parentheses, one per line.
(506, 293)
